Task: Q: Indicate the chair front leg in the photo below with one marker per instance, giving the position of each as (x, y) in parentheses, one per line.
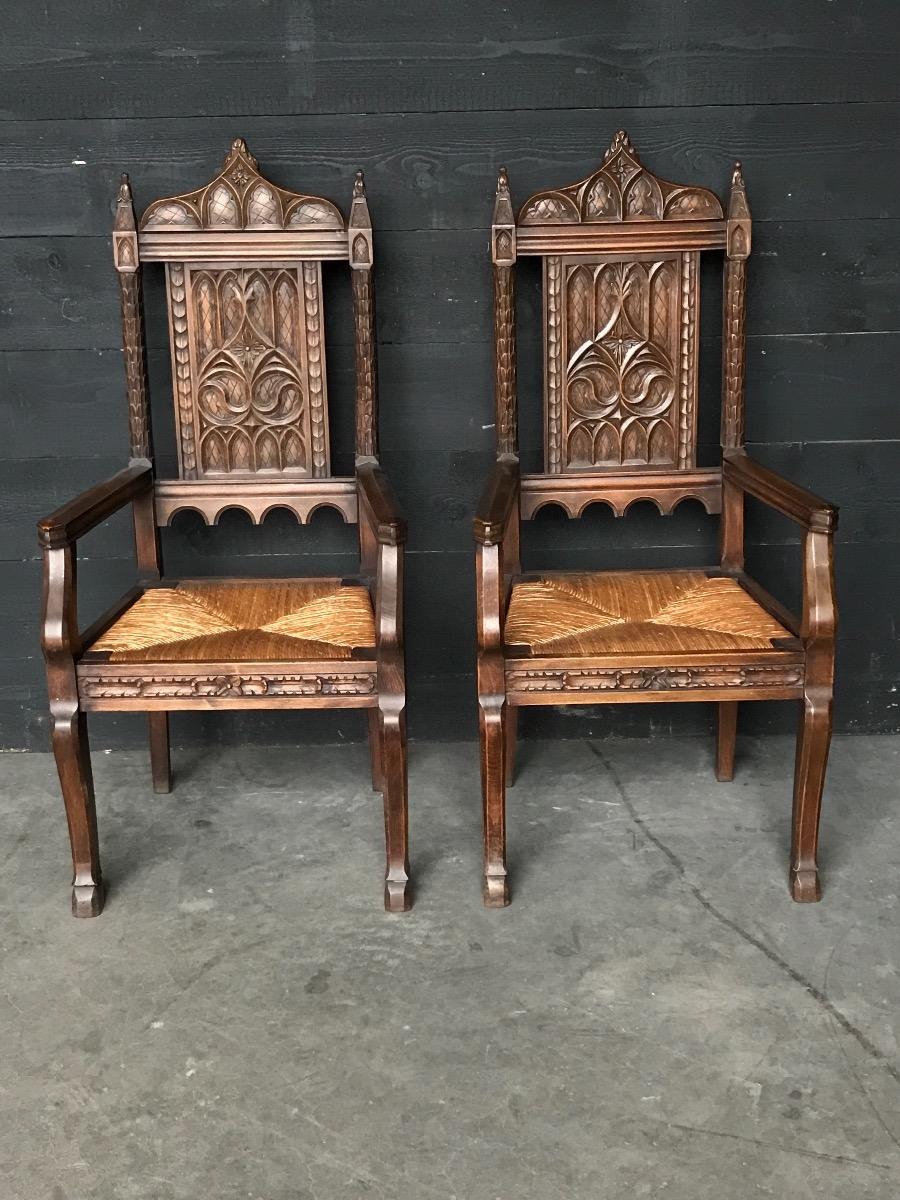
(392, 728)
(389, 757)
(492, 718)
(814, 737)
(60, 643)
(73, 762)
(813, 742)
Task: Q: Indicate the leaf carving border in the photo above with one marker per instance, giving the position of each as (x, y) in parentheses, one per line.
(226, 686)
(602, 679)
(315, 367)
(181, 368)
(553, 275)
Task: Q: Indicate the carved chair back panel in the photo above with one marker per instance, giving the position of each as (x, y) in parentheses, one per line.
(248, 369)
(620, 361)
(620, 253)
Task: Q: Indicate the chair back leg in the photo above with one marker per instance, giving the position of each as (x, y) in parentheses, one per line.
(510, 728)
(726, 735)
(375, 750)
(160, 758)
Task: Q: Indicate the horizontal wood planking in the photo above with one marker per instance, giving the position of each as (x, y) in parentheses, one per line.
(438, 170)
(116, 85)
(805, 277)
(130, 59)
(828, 387)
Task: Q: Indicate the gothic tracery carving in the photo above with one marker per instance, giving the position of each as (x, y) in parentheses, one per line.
(620, 362)
(241, 198)
(621, 190)
(249, 374)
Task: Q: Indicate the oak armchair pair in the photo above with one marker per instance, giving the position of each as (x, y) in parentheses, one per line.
(620, 253)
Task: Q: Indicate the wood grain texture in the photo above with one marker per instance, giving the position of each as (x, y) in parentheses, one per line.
(431, 170)
(304, 60)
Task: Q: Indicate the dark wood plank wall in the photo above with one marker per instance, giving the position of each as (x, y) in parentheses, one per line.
(429, 99)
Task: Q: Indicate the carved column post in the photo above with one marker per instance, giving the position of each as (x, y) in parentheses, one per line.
(503, 256)
(359, 235)
(734, 351)
(735, 303)
(128, 266)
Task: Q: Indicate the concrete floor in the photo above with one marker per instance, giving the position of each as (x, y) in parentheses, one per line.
(651, 1017)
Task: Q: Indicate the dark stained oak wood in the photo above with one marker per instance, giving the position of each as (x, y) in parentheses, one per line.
(243, 275)
(726, 733)
(93, 506)
(160, 757)
(61, 644)
(619, 252)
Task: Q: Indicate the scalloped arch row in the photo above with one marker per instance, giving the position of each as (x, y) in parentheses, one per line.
(622, 189)
(239, 197)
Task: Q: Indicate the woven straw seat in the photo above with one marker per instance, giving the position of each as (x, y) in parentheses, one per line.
(664, 612)
(242, 621)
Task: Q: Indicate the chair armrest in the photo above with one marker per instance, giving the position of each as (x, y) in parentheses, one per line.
(380, 504)
(498, 499)
(788, 498)
(82, 514)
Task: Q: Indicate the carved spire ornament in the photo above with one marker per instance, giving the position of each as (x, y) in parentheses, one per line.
(621, 190)
(361, 253)
(734, 312)
(127, 260)
(239, 197)
(503, 254)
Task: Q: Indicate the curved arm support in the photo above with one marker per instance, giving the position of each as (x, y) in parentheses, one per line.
(378, 505)
(819, 519)
(806, 508)
(93, 506)
(499, 502)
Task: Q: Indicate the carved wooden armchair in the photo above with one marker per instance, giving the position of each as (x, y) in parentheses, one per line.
(243, 263)
(620, 254)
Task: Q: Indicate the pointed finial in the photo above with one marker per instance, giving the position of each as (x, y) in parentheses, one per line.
(738, 208)
(124, 220)
(503, 213)
(239, 150)
(620, 142)
(360, 223)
